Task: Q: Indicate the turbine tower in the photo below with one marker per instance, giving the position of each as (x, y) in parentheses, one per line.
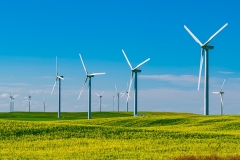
(204, 55)
(11, 100)
(58, 78)
(221, 97)
(29, 98)
(134, 71)
(113, 102)
(100, 99)
(117, 95)
(126, 93)
(44, 104)
(88, 77)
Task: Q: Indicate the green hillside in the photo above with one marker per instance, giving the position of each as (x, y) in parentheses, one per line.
(117, 136)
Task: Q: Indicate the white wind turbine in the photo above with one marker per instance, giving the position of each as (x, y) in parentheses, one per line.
(88, 77)
(58, 78)
(44, 104)
(100, 100)
(29, 98)
(113, 102)
(134, 71)
(118, 95)
(204, 49)
(126, 93)
(221, 97)
(11, 99)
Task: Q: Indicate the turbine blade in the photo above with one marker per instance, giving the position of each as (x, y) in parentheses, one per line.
(141, 63)
(83, 63)
(116, 87)
(200, 68)
(102, 93)
(127, 87)
(216, 92)
(194, 37)
(97, 94)
(128, 97)
(130, 83)
(82, 87)
(221, 99)
(94, 74)
(53, 86)
(127, 59)
(215, 34)
(222, 84)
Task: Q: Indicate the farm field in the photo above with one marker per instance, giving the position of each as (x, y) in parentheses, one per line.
(117, 135)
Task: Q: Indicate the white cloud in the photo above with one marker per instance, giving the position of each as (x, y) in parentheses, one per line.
(4, 95)
(224, 72)
(36, 91)
(15, 84)
(45, 77)
(181, 79)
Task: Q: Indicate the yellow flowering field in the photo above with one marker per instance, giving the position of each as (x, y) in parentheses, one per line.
(151, 136)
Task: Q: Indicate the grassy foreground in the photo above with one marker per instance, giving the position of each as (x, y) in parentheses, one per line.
(119, 136)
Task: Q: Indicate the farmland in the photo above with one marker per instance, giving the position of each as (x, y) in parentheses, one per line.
(112, 135)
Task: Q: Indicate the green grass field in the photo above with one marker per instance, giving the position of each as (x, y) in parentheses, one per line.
(113, 135)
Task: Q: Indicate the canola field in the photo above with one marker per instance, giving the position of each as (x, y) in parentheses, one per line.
(153, 136)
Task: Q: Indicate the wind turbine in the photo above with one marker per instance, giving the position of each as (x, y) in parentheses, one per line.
(134, 71)
(29, 98)
(58, 78)
(11, 98)
(44, 104)
(204, 49)
(100, 100)
(221, 97)
(88, 77)
(117, 95)
(126, 93)
(113, 102)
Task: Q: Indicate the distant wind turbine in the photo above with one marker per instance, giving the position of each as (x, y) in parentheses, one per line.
(113, 102)
(204, 49)
(58, 78)
(126, 93)
(117, 95)
(88, 77)
(221, 97)
(134, 71)
(29, 98)
(11, 100)
(100, 99)
(44, 104)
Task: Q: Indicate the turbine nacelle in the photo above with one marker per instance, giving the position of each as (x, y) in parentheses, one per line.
(60, 77)
(208, 47)
(137, 70)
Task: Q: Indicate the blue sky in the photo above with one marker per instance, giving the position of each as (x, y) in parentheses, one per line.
(33, 33)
